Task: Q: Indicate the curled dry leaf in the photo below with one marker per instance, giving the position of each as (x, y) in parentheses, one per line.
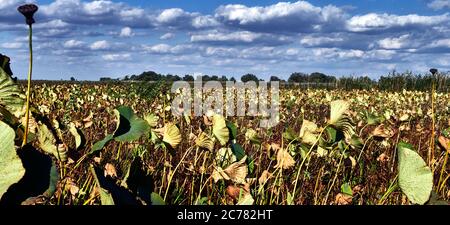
(284, 159)
(236, 191)
(404, 117)
(97, 159)
(220, 129)
(32, 124)
(171, 134)
(207, 121)
(357, 188)
(308, 132)
(204, 141)
(252, 136)
(151, 119)
(71, 186)
(236, 172)
(343, 199)
(445, 143)
(382, 131)
(110, 170)
(383, 158)
(271, 148)
(87, 122)
(265, 176)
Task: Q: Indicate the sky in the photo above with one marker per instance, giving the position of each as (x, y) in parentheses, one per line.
(92, 39)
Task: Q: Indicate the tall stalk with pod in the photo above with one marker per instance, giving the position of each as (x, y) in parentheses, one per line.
(433, 120)
(28, 11)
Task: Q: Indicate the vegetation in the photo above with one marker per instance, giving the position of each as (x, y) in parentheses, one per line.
(331, 147)
(118, 143)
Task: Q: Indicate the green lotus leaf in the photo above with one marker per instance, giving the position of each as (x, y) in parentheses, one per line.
(100, 144)
(415, 178)
(252, 136)
(157, 199)
(238, 151)
(233, 129)
(11, 97)
(11, 168)
(130, 127)
(105, 197)
(47, 143)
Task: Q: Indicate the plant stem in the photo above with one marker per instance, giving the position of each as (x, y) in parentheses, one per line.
(30, 71)
(433, 125)
(303, 161)
(173, 173)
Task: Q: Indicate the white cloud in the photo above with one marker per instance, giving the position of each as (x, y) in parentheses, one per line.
(133, 12)
(178, 18)
(292, 51)
(394, 43)
(52, 24)
(181, 49)
(98, 12)
(126, 32)
(167, 36)
(440, 43)
(245, 15)
(284, 16)
(374, 21)
(204, 22)
(170, 15)
(159, 48)
(12, 45)
(116, 57)
(73, 44)
(100, 45)
(99, 7)
(439, 4)
(380, 54)
(316, 41)
(239, 37)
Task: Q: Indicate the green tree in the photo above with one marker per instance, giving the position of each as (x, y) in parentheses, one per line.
(249, 77)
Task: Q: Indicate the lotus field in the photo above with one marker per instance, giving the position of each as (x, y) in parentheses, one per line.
(120, 143)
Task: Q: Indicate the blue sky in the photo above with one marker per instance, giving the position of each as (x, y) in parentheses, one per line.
(93, 39)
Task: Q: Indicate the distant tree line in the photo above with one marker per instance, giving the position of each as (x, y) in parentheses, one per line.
(393, 81)
(153, 76)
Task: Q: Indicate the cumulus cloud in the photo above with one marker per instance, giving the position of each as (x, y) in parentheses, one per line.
(170, 49)
(299, 16)
(374, 22)
(167, 36)
(117, 57)
(439, 4)
(239, 37)
(126, 32)
(232, 36)
(311, 41)
(441, 43)
(176, 18)
(73, 44)
(99, 11)
(12, 45)
(395, 42)
(100, 45)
